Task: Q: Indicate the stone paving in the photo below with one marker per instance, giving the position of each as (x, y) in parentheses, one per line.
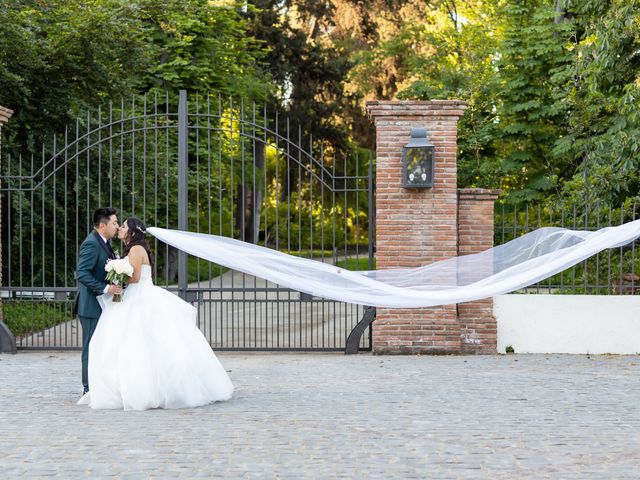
(334, 416)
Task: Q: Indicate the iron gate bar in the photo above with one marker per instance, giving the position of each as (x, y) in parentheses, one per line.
(88, 146)
(183, 166)
(587, 276)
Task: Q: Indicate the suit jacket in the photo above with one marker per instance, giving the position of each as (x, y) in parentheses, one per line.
(90, 273)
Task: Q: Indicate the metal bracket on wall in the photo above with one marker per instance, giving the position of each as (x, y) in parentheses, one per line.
(7, 340)
(353, 340)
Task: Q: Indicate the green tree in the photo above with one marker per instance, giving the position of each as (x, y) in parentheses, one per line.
(202, 46)
(529, 116)
(600, 89)
(59, 59)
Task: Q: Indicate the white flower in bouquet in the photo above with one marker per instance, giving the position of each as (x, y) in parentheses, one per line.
(123, 266)
(117, 270)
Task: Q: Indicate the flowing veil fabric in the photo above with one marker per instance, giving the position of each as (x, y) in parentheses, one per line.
(516, 264)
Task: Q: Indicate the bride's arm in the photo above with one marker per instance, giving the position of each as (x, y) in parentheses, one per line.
(136, 256)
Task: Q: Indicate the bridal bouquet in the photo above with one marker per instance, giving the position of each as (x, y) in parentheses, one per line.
(117, 271)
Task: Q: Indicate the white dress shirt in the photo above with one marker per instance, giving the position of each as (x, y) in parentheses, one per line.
(106, 289)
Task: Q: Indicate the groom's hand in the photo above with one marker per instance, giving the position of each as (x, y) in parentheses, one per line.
(115, 289)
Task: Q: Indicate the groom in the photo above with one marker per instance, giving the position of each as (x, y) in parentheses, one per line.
(94, 253)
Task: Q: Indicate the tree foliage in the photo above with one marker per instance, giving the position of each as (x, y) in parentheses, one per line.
(552, 88)
(552, 85)
(59, 59)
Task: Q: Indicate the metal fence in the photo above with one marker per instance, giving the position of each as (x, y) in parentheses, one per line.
(611, 272)
(202, 163)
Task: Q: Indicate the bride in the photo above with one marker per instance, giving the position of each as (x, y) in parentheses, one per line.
(147, 351)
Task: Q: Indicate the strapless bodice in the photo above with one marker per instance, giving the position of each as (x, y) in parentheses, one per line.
(145, 272)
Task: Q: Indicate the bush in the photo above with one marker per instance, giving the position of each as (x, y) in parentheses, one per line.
(25, 317)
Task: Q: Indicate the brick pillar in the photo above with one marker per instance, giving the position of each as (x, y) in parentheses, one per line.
(478, 329)
(416, 227)
(7, 341)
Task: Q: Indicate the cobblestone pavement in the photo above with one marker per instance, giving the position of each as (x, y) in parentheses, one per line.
(333, 416)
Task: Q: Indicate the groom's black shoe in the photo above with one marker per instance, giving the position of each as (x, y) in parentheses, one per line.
(85, 390)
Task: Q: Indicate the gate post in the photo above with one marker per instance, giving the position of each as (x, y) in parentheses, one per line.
(7, 340)
(183, 167)
(371, 216)
(478, 327)
(416, 227)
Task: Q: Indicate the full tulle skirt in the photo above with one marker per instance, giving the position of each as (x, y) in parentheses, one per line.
(147, 352)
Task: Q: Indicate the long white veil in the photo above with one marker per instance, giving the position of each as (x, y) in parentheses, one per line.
(516, 264)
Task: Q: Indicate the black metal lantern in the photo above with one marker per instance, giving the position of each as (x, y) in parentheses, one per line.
(417, 160)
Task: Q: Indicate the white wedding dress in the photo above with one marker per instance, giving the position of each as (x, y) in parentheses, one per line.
(147, 352)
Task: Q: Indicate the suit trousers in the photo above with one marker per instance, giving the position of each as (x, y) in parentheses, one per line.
(88, 327)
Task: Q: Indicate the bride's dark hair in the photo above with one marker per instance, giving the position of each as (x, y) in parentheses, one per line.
(137, 236)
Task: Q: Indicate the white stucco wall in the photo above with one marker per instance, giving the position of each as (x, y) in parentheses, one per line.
(568, 323)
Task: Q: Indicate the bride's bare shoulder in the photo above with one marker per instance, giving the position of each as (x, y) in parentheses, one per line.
(138, 251)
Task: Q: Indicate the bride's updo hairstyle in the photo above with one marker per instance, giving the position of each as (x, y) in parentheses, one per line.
(137, 235)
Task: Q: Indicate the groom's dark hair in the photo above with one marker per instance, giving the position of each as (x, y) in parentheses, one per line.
(102, 215)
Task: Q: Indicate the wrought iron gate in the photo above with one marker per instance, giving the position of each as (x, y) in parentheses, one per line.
(200, 163)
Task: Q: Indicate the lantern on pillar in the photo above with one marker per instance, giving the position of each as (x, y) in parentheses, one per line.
(417, 160)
